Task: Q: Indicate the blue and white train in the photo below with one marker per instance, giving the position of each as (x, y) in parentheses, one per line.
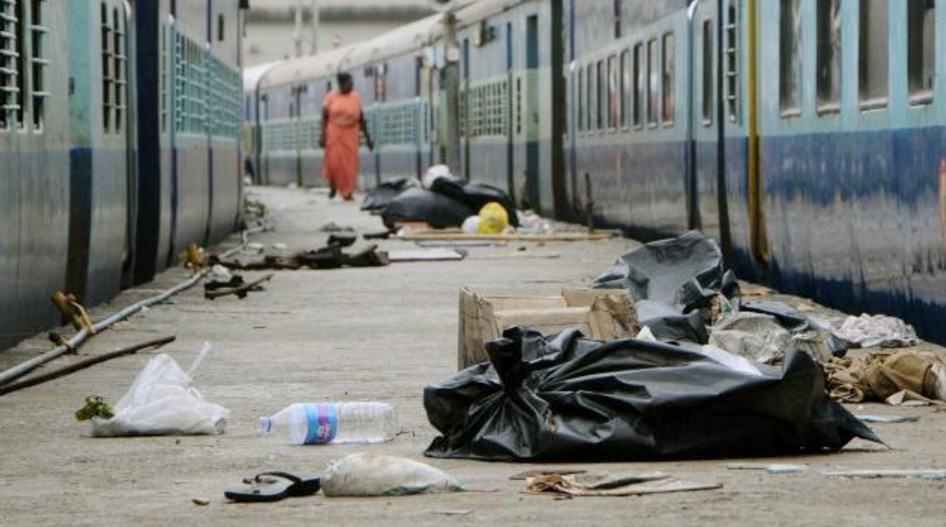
(808, 136)
(119, 145)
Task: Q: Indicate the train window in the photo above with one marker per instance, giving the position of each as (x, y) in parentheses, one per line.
(106, 30)
(707, 72)
(874, 63)
(590, 97)
(220, 27)
(653, 80)
(614, 94)
(639, 69)
(790, 58)
(626, 83)
(601, 103)
(618, 9)
(666, 100)
(732, 63)
(39, 62)
(829, 55)
(921, 49)
(7, 47)
(580, 106)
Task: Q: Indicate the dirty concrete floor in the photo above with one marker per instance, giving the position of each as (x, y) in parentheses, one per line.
(378, 334)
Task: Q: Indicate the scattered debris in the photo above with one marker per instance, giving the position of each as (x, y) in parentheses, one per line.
(868, 331)
(451, 512)
(522, 476)
(235, 286)
(455, 235)
(377, 475)
(888, 419)
(334, 227)
(273, 486)
(899, 377)
(613, 485)
(202, 502)
(895, 474)
(566, 398)
(424, 255)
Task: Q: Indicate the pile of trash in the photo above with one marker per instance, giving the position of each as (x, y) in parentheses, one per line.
(442, 200)
(330, 256)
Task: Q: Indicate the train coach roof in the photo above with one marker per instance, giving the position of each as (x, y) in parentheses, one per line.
(413, 36)
(253, 74)
(304, 69)
(471, 12)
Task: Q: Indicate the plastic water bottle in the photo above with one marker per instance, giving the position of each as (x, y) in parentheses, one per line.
(317, 423)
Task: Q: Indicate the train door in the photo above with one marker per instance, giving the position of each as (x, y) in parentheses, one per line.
(726, 182)
(529, 116)
(98, 167)
(512, 80)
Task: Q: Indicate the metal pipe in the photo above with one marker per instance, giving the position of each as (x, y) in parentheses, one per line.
(79, 338)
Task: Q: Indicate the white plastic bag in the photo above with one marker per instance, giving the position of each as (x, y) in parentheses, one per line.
(377, 475)
(164, 401)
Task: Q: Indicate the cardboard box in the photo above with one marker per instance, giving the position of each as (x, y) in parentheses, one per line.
(602, 314)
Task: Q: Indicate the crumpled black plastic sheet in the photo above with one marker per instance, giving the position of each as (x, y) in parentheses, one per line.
(567, 398)
(684, 272)
(795, 322)
(475, 195)
(420, 204)
(381, 196)
(672, 282)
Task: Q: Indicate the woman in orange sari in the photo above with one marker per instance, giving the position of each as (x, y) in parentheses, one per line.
(342, 123)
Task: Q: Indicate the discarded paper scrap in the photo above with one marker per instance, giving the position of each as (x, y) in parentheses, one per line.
(613, 485)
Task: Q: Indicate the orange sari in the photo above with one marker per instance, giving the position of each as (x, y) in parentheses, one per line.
(342, 139)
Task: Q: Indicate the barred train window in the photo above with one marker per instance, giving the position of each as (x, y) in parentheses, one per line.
(639, 70)
(732, 63)
(106, 70)
(9, 80)
(666, 101)
(39, 63)
(653, 79)
(829, 55)
(119, 56)
(21, 36)
(874, 60)
(707, 72)
(921, 49)
(790, 58)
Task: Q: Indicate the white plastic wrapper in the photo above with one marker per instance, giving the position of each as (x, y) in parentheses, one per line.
(376, 475)
(164, 401)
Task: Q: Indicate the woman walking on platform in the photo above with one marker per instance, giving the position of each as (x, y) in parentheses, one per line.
(342, 123)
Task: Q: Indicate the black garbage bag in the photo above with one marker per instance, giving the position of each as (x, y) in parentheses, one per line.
(381, 196)
(418, 204)
(685, 272)
(475, 195)
(668, 324)
(572, 399)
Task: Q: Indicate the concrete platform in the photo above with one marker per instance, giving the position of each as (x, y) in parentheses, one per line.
(379, 334)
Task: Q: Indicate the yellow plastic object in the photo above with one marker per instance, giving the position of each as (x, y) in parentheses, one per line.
(493, 219)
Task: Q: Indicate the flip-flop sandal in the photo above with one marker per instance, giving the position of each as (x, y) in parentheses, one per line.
(274, 486)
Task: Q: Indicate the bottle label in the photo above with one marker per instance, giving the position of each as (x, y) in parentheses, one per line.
(323, 423)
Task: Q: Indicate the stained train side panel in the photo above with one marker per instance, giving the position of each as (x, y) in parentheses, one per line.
(34, 154)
